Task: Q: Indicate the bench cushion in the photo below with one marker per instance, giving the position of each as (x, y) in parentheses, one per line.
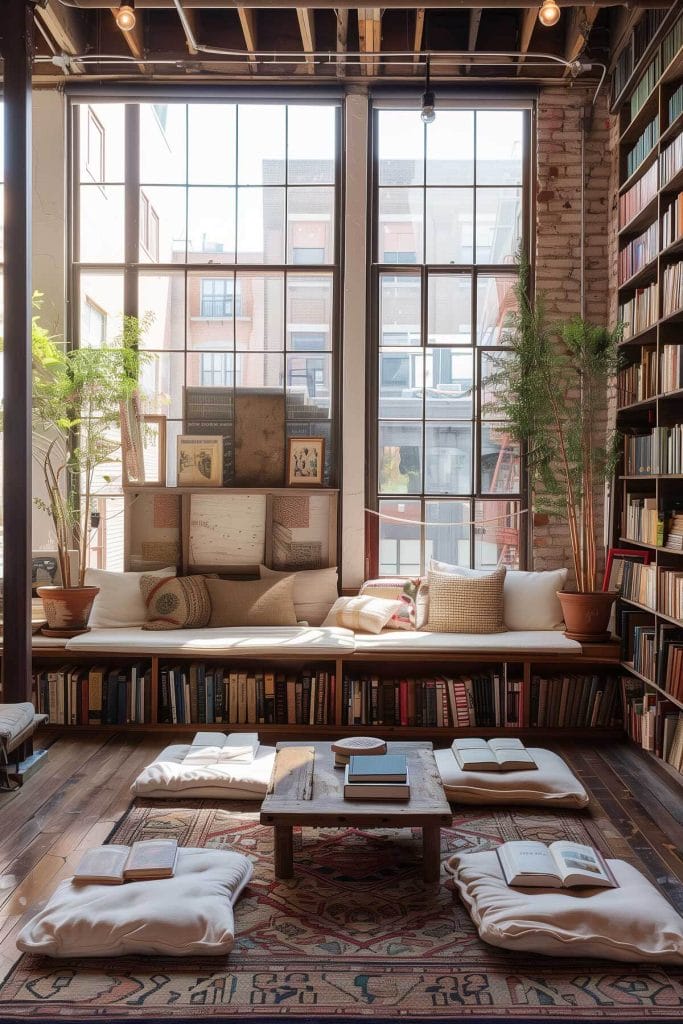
(187, 915)
(520, 642)
(633, 922)
(553, 783)
(310, 641)
(167, 776)
(17, 722)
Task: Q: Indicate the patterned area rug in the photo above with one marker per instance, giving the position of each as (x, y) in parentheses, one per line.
(355, 935)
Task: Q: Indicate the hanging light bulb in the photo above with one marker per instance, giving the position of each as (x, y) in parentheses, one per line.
(125, 16)
(549, 13)
(428, 113)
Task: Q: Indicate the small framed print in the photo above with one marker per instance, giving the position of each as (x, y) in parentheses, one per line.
(200, 461)
(148, 468)
(305, 461)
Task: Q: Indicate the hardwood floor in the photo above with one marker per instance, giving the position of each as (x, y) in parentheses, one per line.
(74, 800)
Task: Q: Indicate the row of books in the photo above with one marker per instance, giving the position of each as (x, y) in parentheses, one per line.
(670, 593)
(672, 43)
(640, 312)
(639, 582)
(672, 222)
(573, 701)
(484, 699)
(205, 693)
(672, 285)
(638, 196)
(670, 161)
(659, 452)
(638, 253)
(645, 85)
(641, 37)
(670, 369)
(639, 380)
(669, 675)
(646, 141)
(675, 107)
(655, 723)
(99, 695)
(656, 651)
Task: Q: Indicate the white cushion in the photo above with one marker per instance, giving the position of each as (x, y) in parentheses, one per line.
(511, 642)
(167, 776)
(119, 602)
(315, 591)
(530, 599)
(309, 641)
(552, 784)
(633, 922)
(363, 613)
(187, 915)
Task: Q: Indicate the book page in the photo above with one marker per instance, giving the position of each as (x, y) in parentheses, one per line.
(506, 743)
(469, 743)
(102, 865)
(577, 864)
(521, 859)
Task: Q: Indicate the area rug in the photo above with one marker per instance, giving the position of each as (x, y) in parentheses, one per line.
(356, 935)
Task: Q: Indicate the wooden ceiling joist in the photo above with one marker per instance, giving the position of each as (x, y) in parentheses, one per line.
(418, 37)
(579, 25)
(247, 16)
(472, 33)
(65, 27)
(134, 37)
(307, 28)
(342, 41)
(527, 30)
(370, 37)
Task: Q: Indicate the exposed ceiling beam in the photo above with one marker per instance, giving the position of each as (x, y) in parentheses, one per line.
(133, 38)
(191, 17)
(370, 37)
(342, 40)
(64, 26)
(473, 32)
(248, 22)
(417, 38)
(462, 5)
(527, 30)
(307, 28)
(579, 25)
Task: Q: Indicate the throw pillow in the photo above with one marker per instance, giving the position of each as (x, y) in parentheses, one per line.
(178, 603)
(315, 591)
(400, 589)
(530, 599)
(362, 613)
(252, 602)
(120, 602)
(466, 604)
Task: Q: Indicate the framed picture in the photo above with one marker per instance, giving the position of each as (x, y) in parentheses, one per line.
(305, 461)
(200, 461)
(149, 465)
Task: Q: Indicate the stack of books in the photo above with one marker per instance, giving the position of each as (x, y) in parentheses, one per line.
(377, 778)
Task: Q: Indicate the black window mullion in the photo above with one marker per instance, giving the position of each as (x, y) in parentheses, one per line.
(131, 208)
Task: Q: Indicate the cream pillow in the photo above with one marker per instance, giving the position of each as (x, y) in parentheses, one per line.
(530, 599)
(362, 613)
(187, 915)
(466, 604)
(552, 784)
(120, 602)
(396, 588)
(315, 591)
(633, 922)
(252, 602)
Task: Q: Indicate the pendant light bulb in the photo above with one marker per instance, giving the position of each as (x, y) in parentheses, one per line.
(125, 16)
(428, 112)
(549, 13)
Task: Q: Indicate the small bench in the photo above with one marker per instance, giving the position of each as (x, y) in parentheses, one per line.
(17, 725)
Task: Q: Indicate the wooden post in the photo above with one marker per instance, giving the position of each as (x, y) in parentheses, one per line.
(18, 48)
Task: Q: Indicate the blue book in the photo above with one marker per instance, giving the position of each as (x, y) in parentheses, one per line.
(378, 768)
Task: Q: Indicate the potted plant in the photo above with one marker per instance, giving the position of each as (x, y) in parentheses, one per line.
(77, 398)
(554, 390)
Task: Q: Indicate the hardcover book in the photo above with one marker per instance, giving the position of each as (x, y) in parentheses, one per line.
(115, 864)
(502, 754)
(561, 865)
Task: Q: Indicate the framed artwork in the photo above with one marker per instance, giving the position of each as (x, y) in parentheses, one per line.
(149, 464)
(200, 461)
(305, 461)
(225, 532)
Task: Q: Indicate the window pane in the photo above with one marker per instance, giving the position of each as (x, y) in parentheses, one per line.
(401, 382)
(500, 147)
(450, 309)
(101, 224)
(400, 147)
(449, 225)
(309, 389)
(211, 303)
(102, 142)
(211, 143)
(400, 458)
(448, 458)
(399, 309)
(399, 542)
(309, 307)
(500, 455)
(447, 535)
(210, 370)
(106, 543)
(499, 224)
(260, 225)
(167, 203)
(162, 379)
(496, 535)
(496, 302)
(449, 384)
(211, 225)
(162, 299)
(310, 225)
(450, 148)
(163, 150)
(104, 293)
(260, 370)
(259, 312)
(311, 144)
(261, 144)
(400, 225)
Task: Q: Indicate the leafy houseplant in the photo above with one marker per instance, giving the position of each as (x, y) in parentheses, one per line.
(554, 390)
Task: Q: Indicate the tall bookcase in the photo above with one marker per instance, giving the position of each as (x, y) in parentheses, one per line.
(650, 381)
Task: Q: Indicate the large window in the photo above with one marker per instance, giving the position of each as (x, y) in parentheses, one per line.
(450, 209)
(217, 222)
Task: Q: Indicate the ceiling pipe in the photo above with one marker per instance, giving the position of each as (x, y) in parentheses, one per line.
(464, 5)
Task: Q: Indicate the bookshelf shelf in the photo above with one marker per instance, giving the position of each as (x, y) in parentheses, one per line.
(672, 131)
(645, 337)
(644, 166)
(644, 403)
(642, 276)
(641, 220)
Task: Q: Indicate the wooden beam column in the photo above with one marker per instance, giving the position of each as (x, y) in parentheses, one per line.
(18, 45)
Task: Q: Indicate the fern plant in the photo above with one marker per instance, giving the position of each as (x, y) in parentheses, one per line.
(553, 388)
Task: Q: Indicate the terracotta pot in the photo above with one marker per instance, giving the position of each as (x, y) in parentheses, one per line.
(586, 616)
(67, 609)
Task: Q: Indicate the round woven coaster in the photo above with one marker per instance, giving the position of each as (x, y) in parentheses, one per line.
(359, 745)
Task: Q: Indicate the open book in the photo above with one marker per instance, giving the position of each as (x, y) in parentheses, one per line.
(115, 864)
(216, 748)
(501, 754)
(561, 865)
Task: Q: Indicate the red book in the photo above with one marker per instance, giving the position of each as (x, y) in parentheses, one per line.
(403, 702)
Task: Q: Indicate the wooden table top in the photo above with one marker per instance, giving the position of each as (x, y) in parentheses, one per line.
(308, 790)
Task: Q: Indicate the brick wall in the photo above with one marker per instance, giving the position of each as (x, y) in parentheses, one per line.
(558, 241)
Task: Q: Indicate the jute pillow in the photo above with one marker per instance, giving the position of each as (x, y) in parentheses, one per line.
(252, 602)
(181, 602)
(466, 604)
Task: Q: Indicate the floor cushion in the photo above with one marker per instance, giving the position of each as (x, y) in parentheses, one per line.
(633, 922)
(168, 776)
(187, 915)
(552, 784)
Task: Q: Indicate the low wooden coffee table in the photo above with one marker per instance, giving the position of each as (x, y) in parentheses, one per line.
(307, 790)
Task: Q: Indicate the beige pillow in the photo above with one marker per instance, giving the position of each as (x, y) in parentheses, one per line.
(552, 784)
(315, 591)
(362, 613)
(633, 922)
(119, 603)
(396, 588)
(181, 602)
(466, 604)
(252, 602)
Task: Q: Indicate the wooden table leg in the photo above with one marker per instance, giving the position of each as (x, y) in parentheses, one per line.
(431, 853)
(284, 851)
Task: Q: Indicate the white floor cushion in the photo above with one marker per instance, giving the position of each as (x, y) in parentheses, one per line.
(632, 923)
(552, 784)
(167, 777)
(187, 915)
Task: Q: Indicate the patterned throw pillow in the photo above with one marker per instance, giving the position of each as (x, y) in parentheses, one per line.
(466, 604)
(178, 603)
(400, 588)
(362, 613)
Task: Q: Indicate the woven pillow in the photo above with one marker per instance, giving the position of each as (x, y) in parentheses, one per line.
(466, 604)
(181, 602)
(266, 602)
(362, 613)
